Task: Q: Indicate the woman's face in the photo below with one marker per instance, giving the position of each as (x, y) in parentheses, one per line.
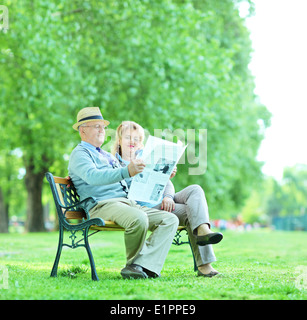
(130, 142)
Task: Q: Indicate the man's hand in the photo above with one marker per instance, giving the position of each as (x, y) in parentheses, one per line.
(168, 204)
(136, 166)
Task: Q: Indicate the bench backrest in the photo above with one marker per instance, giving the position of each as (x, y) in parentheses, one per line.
(65, 195)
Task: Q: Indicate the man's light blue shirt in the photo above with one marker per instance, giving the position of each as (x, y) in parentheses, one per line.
(93, 175)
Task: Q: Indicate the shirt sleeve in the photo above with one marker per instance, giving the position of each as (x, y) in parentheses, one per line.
(169, 190)
(81, 164)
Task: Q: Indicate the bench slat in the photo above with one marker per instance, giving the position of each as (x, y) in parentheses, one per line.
(108, 228)
(61, 180)
(109, 225)
(75, 215)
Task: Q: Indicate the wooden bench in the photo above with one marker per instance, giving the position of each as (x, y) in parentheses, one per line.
(73, 218)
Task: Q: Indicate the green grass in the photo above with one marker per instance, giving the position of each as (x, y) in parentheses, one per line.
(259, 264)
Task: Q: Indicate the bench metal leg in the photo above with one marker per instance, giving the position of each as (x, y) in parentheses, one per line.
(58, 254)
(178, 242)
(90, 255)
(195, 265)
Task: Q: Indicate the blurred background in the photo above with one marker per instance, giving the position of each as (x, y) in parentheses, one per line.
(236, 68)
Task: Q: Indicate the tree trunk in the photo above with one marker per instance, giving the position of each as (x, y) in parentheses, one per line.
(35, 215)
(4, 218)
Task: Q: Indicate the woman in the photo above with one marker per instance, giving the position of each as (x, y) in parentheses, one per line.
(189, 205)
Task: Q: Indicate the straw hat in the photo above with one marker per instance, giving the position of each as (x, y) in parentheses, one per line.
(89, 114)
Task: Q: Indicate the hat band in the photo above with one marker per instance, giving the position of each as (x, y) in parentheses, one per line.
(92, 118)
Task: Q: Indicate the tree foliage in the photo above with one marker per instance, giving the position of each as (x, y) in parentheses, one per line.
(164, 64)
(290, 196)
(287, 197)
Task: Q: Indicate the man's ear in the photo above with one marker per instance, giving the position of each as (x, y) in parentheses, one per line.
(81, 131)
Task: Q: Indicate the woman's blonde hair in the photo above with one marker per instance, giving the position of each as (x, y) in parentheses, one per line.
(119, 133)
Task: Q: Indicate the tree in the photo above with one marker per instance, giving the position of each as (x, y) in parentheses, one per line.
(36, 103)
(11, 189)
(276, 199)
(165, 64)
(294, 189)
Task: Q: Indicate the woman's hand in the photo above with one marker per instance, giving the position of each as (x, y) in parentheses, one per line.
(173, 173)
(168, 204)
(69, 179)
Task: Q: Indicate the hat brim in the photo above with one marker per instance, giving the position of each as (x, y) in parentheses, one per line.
(78, 124)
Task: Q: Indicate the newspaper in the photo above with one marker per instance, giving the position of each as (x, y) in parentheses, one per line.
(160, 157)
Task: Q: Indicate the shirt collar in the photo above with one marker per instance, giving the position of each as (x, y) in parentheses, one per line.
(120, 159)
(88, 146)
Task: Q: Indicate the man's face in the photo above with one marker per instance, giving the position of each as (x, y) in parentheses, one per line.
(93, 132)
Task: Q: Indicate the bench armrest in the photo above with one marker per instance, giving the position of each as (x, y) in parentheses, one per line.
(78, 205)
(90, 222)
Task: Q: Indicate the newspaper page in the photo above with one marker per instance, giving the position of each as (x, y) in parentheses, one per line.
(160, 157)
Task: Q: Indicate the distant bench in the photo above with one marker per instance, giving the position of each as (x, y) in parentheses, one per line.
(73, 218)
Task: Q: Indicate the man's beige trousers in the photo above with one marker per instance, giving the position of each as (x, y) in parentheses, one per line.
(136, 220)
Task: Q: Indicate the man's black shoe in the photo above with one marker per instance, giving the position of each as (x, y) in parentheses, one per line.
(133, 271)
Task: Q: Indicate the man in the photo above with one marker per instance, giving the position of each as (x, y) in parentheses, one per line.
(96, 173)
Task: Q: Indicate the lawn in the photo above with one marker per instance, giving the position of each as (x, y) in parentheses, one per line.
(259, 264)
